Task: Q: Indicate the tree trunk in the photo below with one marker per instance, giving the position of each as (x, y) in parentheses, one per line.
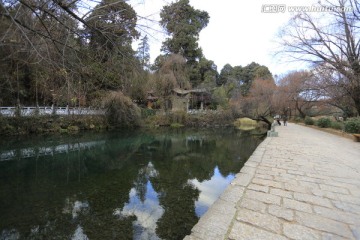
(356, 98)
(357, 105)
(264, 119)
(302, 114)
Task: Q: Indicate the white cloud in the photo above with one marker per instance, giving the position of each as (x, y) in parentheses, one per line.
(147, 213)
(79, 234)
(210, 190)
(75, 207)
(238, 33)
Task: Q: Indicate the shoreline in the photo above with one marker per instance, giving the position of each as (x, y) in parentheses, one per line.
(38, 125)
(48, 124)
(295, 186)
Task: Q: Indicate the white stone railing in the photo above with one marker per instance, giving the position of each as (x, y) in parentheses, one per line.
(31, 111)
(199, 111)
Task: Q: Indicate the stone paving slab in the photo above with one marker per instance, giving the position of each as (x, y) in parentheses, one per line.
(303, 184)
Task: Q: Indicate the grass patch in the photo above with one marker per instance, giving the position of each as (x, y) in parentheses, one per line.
(245, 124)
(176, 125)
(337, 126)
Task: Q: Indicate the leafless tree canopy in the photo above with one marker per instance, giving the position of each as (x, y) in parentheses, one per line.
(298, 90)
(331, 41)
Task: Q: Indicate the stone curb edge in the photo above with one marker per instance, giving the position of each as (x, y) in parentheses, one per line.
(217, 221)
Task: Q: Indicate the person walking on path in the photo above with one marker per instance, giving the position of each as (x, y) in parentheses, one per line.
(277, 118)
(285, 120)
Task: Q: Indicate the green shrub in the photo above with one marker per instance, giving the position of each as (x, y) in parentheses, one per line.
(219, 117)
(324, 122)
(72, 129)
(352, 125)
(178, 117)
(309, 121)
(121, 111)
(298, 119)
(62, 130)
(146, 112)
(337, 126)
(202, 119)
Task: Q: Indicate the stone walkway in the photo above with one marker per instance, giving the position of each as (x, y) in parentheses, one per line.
(304, 184)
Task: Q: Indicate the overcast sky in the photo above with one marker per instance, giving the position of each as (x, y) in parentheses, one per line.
(238, 32)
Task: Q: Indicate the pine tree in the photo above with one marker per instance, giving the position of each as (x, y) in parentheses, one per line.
(183, 23)
(143, 54)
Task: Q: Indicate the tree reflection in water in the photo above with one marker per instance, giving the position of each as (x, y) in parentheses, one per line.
(210, 190)
(144, 205)
(122, 185)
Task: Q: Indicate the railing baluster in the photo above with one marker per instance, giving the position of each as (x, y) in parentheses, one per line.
(47, 110)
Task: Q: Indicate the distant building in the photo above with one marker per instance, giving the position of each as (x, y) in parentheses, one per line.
(185, 100)
(151, 100)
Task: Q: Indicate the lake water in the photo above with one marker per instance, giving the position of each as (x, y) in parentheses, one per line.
(152, 184)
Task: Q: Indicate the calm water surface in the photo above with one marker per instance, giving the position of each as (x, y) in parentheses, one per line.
(119, 185)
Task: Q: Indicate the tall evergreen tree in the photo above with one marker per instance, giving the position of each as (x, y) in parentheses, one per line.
(143, 52)
(242, 77)
(183, 23)
(208, 73)
(226, 74)
(111, 27)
